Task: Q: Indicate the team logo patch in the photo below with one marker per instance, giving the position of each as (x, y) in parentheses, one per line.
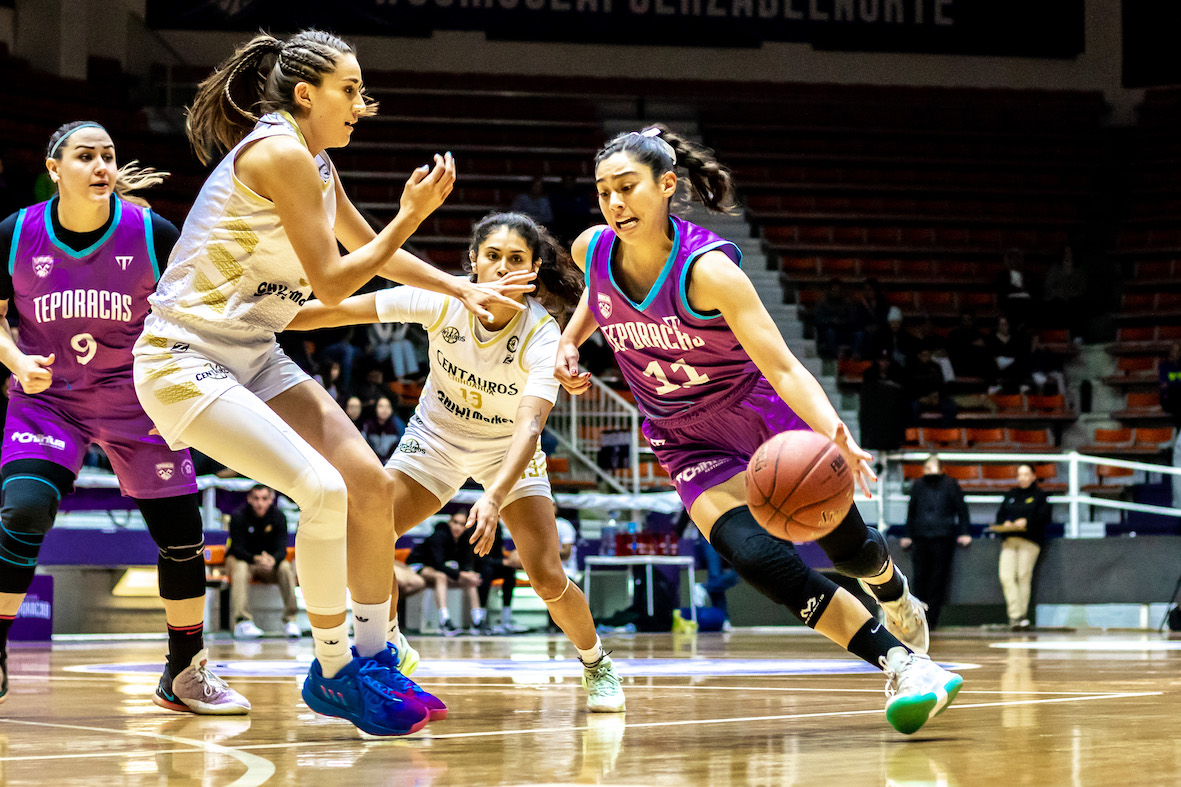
(213, 371)
(186, 468)
(180, 347)
(452, 335)
(512, 344)
(605, 305)
(124, 261)
(43, 265)
(411, 446)
(165, 470)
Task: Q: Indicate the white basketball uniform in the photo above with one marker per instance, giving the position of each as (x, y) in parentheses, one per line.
(464, 421)
(232, 282)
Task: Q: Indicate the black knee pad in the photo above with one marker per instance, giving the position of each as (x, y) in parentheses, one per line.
(869, 558)
(772, 566)
(175, 525)
(32, 490)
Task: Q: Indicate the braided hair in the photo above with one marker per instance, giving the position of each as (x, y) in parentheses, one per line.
(663, 151)
(558, 283)
(259, 78)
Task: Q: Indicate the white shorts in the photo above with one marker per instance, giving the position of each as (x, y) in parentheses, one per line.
(178, 372)
(442, 463)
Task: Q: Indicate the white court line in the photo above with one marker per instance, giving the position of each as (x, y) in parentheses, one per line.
(258, 770)
(241, 751)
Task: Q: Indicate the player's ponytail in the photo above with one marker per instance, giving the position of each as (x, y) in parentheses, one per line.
(130, 177)
(259, 78)
(663, 151)
(559, 282)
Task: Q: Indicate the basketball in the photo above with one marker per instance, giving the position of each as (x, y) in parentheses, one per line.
(799, 486)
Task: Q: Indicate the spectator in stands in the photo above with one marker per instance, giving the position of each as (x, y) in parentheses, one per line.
(534, 203)
(1170, 402)
(390, 344)
(373, 388)
(257, 550)
(868, 319)
(1065, 294)
(894, 339)
(832, 320)
(571, 205)
(329, 377)
(936, 520)
(883, 409)
(1014, 289)
(384, 429)
(926, 387)
(446, 559)
(1045, 368)
(968, 350)
(337, 344)
(354, 410)
(1010, 352)
(1021, 521)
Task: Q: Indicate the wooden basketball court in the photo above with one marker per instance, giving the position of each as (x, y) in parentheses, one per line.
(759, 707)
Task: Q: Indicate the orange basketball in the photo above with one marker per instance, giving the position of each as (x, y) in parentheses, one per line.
(799, 486)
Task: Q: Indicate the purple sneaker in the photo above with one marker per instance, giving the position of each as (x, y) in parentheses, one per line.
(197, 690)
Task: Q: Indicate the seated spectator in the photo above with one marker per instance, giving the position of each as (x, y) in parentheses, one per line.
(373, 388)
(1010, 352)
(926, 387)
(446, 559)
(390, 343)
(832, 320)
(1045, 369)
(883, 407)
(1065, 293)
(893, 340)
(571, 206)
(336, 344)
(257, 550)
(534, 203)
(868, 319)
(502, 565)
(1021, 521)
(353, 409)
(968, 350)
(384, 429)
(329, 377)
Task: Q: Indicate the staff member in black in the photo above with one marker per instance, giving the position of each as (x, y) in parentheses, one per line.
(1021, 521)
(257, 549)
(936, 520)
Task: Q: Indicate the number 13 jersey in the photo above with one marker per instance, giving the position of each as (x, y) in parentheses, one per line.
(86, 307)
(672, 357)
(477, 377)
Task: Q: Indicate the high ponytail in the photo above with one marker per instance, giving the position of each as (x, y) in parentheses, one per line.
(663, 151)
(130, 177)
(259, 78)
(558, 283)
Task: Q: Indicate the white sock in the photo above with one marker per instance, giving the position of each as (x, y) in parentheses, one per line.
(369, 627)
(331, 647)
(444, 615)
(478, 615)
(592, 654)
(393, 632)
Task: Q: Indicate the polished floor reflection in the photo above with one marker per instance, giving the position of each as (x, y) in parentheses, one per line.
(746, 708)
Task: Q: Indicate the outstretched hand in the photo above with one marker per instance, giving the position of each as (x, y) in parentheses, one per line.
(476, 298)
(566, 370)
(428, 188)
(857, 457)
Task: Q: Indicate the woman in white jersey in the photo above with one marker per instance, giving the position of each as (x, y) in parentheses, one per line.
(260, 238)
(487, 397)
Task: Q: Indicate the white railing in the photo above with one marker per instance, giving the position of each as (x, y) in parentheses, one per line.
(1074, 497)
(579, 423)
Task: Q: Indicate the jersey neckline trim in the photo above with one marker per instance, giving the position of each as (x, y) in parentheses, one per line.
(116, 217)
(664, 272)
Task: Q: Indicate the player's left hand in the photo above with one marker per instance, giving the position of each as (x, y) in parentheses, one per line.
(485, 515)
(857, 457)
(476, 298)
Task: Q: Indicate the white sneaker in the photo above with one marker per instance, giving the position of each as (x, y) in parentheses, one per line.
(291, 629)
(700, 595)
(604, 692)
(247, 630)
(917, 689)
(906, 619)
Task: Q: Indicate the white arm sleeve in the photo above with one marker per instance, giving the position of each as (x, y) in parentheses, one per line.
(410, 304)
(539, 359)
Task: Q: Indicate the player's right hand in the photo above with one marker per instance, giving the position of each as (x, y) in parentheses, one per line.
(34, 373)
(428, 188)
(566, 370)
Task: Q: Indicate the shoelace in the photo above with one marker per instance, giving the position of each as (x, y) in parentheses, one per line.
(210, 684)
(891, 677)
(601, 673)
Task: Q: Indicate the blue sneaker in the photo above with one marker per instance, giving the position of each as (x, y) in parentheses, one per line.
(358, 694)
(401, 685)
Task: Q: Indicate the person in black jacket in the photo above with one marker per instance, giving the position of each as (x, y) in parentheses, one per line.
(1021, 521)
(936, 519)
(445, 558)
(257, 549)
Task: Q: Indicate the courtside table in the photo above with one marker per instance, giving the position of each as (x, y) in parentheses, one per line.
(647, 561)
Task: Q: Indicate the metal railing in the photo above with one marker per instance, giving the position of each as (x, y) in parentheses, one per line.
(580, 423)
(1074, 496)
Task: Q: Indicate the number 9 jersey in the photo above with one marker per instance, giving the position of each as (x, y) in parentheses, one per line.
(86, 307)
(477, 376)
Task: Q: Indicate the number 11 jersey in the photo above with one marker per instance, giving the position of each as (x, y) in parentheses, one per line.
(672, 357)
